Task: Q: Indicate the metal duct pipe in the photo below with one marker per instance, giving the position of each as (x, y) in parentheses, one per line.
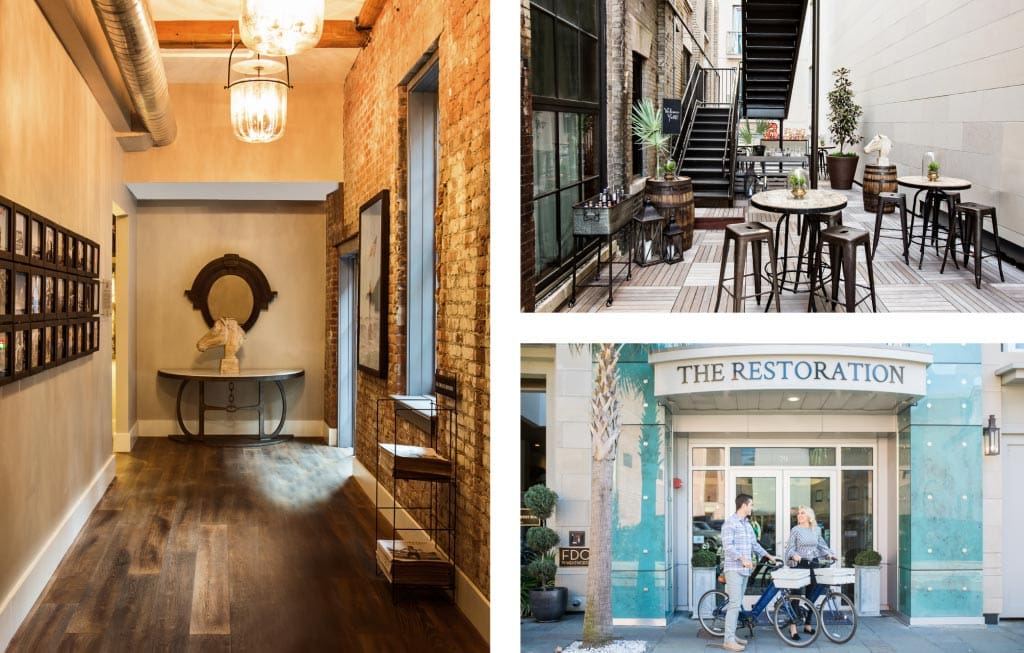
(131, 34)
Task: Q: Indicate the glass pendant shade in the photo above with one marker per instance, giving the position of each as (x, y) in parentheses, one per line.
(259, 110)
(281, 27)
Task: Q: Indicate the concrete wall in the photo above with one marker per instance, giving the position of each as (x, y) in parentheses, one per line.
(286, 241)
(943, 76)
(60, 160)
(206, 149)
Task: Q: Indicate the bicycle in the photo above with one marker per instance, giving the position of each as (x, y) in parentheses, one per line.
(836, 614)
(789, 609)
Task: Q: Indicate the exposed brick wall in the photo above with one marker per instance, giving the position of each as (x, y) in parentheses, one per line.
(375, 158)
(335, 235)
(527, 244)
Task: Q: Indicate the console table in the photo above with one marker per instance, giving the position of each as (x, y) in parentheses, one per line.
(259, 377)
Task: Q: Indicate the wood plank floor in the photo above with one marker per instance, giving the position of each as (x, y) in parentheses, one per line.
(223, 549)
(690, 285)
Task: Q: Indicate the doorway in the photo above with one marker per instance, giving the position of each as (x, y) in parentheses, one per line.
(1013, 565)
(348, 320)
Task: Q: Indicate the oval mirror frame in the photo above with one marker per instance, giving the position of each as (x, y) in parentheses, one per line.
(233, 265)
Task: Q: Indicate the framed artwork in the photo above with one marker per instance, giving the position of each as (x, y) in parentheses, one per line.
(373, 285)
(19, 362)
(95, 260)
(96, 334)
(81, 346)
(35, 294)
(95, 309)
(35, 239)
(35, 354)
(72, 298)
(20, 293)
(50, 245)
(5, 355)
(6, 279)
(59, 353)
(49, 296)
(83, 301)
(61, 236)
(62, 292)
(819, 496)
(48, 359)
(5, 229)
(20, 234)
(79, 254)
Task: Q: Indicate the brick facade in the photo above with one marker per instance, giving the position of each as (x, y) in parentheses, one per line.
(375, 159)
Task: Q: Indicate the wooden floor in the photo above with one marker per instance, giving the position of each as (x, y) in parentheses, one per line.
(220, 549)
(689, 286)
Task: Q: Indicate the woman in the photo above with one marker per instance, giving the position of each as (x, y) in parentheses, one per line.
(804, 545)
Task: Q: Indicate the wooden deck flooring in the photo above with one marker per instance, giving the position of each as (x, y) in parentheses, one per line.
(690, 285)
(222, 549)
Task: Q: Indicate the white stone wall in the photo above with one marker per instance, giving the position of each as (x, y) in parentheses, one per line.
(944, 76)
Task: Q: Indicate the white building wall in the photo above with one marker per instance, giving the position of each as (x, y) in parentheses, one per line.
(940, 75)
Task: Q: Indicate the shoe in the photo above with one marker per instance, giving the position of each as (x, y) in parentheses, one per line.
(808, 630)
(795, 637)
(733, 646)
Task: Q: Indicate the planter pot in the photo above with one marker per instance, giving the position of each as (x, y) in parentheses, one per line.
(867, 591)
(759, 150)
(548, 605)
(673, 199)
(703, 581)
(841, 170)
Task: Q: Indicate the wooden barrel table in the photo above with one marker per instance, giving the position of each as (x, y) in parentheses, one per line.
(673, 199)
(878, 179)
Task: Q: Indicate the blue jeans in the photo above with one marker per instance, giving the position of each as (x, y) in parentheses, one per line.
(735, 586)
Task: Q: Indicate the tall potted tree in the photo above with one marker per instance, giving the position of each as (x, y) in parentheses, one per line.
(548, 602)
(843, 116)
(672, 196)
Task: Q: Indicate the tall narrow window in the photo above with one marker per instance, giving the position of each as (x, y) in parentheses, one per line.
(638, 94)
(565, 63)
(423, 150)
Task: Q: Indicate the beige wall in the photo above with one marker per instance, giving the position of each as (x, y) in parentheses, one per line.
(286, 241)
(206, 149)
(61, 160)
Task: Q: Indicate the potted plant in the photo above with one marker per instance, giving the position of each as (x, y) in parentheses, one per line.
(547, 603)
(669, 169)
(672, 196)
(748, 135)
(704, 562)
(867, 592)
(798, 184)
(933, 171)
(843, 116)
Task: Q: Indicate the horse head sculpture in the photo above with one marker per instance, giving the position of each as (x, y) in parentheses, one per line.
(881, 144)
(225, 332)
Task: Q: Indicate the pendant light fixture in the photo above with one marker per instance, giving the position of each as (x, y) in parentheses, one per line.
(259, 105)
(281, 28)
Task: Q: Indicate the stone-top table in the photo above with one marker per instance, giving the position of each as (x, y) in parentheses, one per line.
(257, 376)
(935, 196)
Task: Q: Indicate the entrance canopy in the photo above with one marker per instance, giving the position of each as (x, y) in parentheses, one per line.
(790, 378)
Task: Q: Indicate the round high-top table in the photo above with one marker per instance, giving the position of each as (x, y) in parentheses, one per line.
(816, 202)
(259, 377)
(936, 195)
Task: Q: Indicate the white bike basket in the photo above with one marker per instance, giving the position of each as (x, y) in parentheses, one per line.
(792, 579)
(834, 576)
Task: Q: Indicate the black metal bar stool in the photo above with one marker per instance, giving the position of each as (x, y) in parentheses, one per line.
(649, 227)
(672, 243)
(740, 235)
(975, 215)
(842, 245)
(929, 211)
(900, 201)
(810, 229)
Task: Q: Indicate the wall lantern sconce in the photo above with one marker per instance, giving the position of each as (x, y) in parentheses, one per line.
(281, 28)
(990, 437)
(259, 105)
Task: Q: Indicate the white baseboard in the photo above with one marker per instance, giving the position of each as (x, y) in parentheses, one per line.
(19, 601)
(331, 435)
(125, 442)
(469, 599)
(161, 428)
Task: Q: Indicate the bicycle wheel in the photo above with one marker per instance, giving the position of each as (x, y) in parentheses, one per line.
(711, 611)
(796, 610)
(838, 618)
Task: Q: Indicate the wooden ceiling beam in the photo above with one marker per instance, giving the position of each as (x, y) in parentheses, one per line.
(370, 12)
(216, 34)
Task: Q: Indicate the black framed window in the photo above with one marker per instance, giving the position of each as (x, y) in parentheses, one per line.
(638, 94)
(566, 54)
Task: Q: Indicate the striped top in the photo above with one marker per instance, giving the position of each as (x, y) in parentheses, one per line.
(739, 542)
(806, 543)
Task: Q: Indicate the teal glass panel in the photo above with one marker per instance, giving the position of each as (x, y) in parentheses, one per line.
(639, 594)
(903, 496)
(904, 597)
(946, 498)
(954, 396)
(952, 353)
(945, 593)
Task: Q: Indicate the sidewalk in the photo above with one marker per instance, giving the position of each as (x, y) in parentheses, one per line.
(874, 635)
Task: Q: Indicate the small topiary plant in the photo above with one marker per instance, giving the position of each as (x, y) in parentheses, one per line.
(867, 558)
(933, 166)
(540, 501)
(704, 558)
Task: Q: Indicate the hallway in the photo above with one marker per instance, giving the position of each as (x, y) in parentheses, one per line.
(260, 549)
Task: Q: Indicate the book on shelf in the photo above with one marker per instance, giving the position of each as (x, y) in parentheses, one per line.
(414, 462)
(413, 562)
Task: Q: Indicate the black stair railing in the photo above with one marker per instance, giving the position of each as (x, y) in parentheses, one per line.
(731, 147)
(707, 87)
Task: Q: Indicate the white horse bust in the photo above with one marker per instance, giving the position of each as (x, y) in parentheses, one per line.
(225, 332)
(881, 144)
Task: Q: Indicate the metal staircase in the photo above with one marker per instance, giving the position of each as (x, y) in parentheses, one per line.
(772, 30)
(706, 147)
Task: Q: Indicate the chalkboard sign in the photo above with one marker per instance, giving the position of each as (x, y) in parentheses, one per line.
(445, 385)
(671, 116)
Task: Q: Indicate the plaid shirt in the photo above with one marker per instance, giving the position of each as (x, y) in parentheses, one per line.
(739, 542)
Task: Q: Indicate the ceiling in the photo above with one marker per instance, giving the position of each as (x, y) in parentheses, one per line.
(209, 66)
(791, 401)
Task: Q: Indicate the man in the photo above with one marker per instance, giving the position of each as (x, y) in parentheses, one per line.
(739, 543)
